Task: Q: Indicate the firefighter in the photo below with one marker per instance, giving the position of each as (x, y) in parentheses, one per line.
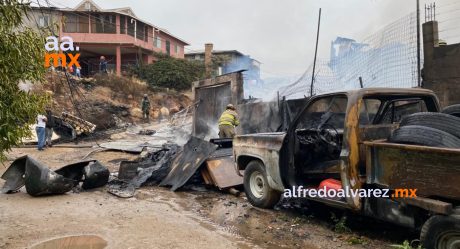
(228, 121)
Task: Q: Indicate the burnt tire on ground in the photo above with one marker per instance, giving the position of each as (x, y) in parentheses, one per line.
(421, 135)
(256, 186)
(436, 120)
(441, 232)
(453, 110)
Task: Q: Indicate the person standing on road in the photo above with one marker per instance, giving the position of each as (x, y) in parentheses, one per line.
(40, 129)
(49, 127)
(145, 105)
(228, 121)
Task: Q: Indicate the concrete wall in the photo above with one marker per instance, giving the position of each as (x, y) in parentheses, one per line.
(441, 70)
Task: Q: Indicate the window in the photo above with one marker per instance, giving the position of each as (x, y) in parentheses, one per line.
(122, 24)
(369, 109)
(157, 42)
(327, 110)
(388, 110)
(131, 24)
(176, 49)
(74, 23)
(146, 33)
(103, 23)
(396, 110)
(43, 21)
(140, 31)
(70, 23)
(168, 47)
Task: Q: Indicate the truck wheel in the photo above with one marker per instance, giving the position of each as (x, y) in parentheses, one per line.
(256, 186)
(441, 232)
(421, 135)
(436, 120)
(452, 110)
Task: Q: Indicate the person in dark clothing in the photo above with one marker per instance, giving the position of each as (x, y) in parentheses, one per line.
(145, 105)
(49, 127)
(103, 65)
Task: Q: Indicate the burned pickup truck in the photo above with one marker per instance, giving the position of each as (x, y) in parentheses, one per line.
(385, 140)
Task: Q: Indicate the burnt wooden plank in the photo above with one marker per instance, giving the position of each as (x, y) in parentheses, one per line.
(206, 177)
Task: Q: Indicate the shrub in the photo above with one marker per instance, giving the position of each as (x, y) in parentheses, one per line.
(170, 72)
(21, 60)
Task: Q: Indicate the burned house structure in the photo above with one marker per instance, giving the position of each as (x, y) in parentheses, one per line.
(256, 116)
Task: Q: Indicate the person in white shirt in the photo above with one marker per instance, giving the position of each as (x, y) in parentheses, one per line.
(40, 129)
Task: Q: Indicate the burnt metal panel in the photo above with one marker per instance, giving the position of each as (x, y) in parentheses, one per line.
(40, 180)
(432, 171)
(96, 175)
(258, 117)
(14, 175)
(212, 102)
(187, 161)
(222, 172)
(149, 171)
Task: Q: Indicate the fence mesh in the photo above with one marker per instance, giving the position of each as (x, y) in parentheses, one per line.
(387, 58)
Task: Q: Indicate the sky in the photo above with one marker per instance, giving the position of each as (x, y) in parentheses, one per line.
(279, 33)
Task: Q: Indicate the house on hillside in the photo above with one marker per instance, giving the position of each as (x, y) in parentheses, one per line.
(232, 61)
(118, 34)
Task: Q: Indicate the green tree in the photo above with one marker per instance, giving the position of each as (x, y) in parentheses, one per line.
(21, 59)
(170, 72)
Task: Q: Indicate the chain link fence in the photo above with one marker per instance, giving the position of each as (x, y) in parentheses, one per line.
(387, 58)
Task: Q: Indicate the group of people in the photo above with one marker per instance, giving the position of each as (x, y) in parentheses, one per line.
(74, 70)
(44, 129)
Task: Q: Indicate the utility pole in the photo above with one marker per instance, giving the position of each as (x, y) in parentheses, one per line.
(316, 51)
(419, 83)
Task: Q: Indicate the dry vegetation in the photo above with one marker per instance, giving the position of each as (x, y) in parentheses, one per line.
(104, 98)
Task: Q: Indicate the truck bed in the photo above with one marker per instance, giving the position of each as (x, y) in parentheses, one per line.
(434, 172)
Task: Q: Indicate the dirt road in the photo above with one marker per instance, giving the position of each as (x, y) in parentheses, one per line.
(192, 218)
(124, 223)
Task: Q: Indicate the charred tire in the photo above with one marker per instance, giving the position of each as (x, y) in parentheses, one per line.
(441, 232)
(436, 120)
(256, 186)
(452, 110)
(421, 135)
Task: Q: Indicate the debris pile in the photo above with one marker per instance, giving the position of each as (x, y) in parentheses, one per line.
(175, 166)
(147, 171)
(79, 125)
